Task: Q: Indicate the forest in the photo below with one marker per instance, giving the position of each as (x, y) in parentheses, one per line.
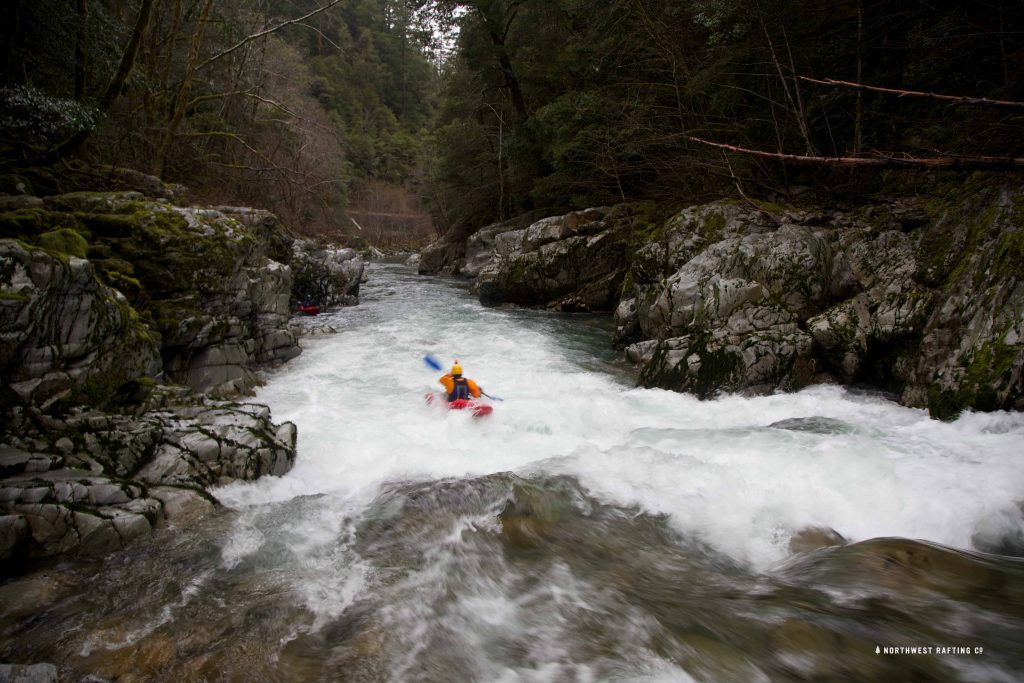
(392, 121)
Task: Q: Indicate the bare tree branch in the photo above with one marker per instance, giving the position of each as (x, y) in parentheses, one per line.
(955, 99)
(881, 160)
(322, 35)
(260, 34)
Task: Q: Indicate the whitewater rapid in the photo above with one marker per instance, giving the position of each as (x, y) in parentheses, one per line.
(716, 468)
(587, 530)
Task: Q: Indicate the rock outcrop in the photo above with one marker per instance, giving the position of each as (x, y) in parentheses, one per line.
(324, 275)
(212, 287)
(104, 299)
(63, 334)
(919, 298)
(90, 482)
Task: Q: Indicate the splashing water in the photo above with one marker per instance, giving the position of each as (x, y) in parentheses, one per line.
(587, 530)
(718, 468)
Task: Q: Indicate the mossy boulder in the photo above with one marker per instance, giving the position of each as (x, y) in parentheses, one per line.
(64, 241)
(65, 334)
(919, 298)
(212, 284)
(324, 275)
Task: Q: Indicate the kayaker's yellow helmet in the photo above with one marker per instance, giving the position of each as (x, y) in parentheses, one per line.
(456, 369)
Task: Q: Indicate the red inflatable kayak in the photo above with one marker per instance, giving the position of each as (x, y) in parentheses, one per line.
(309, 310)
(478, 409)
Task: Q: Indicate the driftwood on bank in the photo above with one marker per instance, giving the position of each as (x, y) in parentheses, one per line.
(881, 160)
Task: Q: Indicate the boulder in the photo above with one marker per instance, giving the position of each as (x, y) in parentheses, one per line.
(727, 320)
(467, 250)
(441, 256)
(325, 275)
(480, 247)
(63, 334)
(575, 262)
(921, 300)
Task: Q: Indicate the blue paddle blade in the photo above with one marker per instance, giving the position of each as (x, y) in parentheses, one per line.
(431, 361)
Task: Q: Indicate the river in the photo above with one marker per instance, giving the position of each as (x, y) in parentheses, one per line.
(587, 530)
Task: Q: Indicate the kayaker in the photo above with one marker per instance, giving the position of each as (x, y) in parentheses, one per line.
(459, 387)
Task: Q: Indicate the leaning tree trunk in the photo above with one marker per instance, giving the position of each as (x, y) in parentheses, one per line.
(116, 84)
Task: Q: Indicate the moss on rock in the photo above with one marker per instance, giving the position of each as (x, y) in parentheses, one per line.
(64, 241)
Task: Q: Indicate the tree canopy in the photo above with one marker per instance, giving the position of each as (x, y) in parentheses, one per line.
(596, 101)
(289, 105)
(491, 108)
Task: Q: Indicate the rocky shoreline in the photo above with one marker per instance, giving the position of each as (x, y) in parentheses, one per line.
(130, 330)
(921, 298)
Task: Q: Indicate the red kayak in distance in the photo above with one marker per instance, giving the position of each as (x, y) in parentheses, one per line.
(478, 409)
(309, 310)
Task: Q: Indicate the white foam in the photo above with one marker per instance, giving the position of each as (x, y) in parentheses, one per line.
(713, 466)
(243, 542)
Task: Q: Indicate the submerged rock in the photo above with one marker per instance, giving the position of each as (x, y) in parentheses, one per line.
(814, 425)
(813, 538)
(915, 567)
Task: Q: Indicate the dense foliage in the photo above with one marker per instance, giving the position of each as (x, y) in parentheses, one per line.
(567, 103)
(354, 111)
(201, 92)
